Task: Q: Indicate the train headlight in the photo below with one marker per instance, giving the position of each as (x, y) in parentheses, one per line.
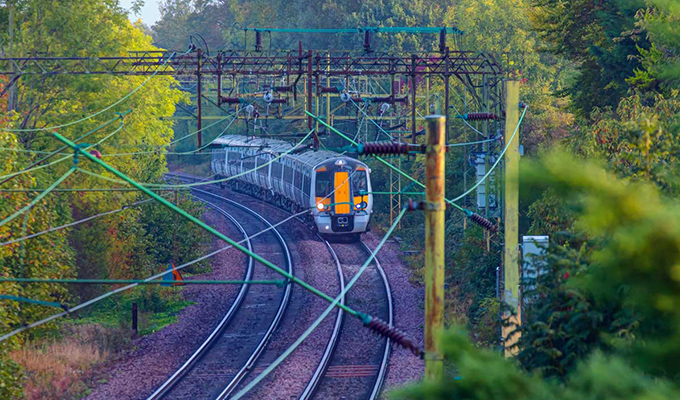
(320, 207)
(361, 205)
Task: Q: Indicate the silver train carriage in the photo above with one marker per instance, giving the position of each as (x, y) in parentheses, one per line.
(336, 187)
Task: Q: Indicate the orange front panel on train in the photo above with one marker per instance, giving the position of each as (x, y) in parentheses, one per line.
(342, 200)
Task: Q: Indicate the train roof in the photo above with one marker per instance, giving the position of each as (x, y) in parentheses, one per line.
(309, 158)
(273, 145)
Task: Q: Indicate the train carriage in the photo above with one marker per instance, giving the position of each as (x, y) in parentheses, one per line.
(335, 187)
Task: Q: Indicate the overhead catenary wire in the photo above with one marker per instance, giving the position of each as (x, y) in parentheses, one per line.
(133, 285)
(207, 228)
(111, 293)
(465, 121)
(189, 185)
(103, 110)
(34, 166)
(495, 164)
(388, 164)
(323, 315)
(37, 199)
(371, 119)
(80, 221)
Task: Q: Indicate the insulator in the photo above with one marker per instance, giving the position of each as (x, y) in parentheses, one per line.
(258, 41)
(268, 97)
(231, 100)
(414, 205)
(329, 89)
(345, 97)
(483, 222)
(442, 40)
(383, 329)
(384, 107)
(480, 116)
(249, 109)
(96, 154)
(377, 148)
(367, 41)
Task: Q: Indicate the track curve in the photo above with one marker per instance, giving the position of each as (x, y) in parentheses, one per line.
(224, 363)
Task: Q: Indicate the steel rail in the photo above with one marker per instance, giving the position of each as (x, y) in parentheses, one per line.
(321, 369)
(382, 368)
(247, 367)
(380, 379)
(207, 344)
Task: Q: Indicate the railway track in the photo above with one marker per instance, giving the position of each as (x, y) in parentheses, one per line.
(344, 372)
(226, 358)
(359, 364)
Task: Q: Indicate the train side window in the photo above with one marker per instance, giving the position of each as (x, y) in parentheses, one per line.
(288, 174)
(323, 184)
(276, 169)
(359, 182)
(298, 179)
(307, 184)
(262, 160)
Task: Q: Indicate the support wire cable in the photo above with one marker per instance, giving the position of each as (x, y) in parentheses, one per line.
(189, 185)
(38, 197)
(122, 99)
(371, 119)
(323, 315)
(111, 293)
(388, 164)
(495, 164)
(70, 224)
(128, 287)
(465, 121)
(206, 227)
(34, 166)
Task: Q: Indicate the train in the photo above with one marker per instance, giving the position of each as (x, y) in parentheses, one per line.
(335, 187)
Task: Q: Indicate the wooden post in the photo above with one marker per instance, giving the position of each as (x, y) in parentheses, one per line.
(134, 317)
(434, 244)
(512, 319)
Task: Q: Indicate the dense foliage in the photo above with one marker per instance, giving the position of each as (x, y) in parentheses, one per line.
(134, 243)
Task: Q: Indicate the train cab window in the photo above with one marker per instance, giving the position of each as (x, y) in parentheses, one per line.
(359, 182)
(323, 184)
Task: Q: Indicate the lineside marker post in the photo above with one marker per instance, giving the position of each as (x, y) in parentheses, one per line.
(512, 316)
(134, 318)
(434, 244)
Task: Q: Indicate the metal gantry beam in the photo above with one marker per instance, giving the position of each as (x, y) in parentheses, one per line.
(456, 63)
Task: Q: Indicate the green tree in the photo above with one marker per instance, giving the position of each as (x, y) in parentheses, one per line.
(600, 38)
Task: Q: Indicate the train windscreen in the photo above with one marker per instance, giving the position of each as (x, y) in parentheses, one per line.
(359, 182)
(323, 183)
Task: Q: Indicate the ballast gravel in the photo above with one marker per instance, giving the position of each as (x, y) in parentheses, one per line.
(153, 358)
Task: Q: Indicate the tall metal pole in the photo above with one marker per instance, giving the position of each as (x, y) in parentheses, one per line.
(309, 97)
(11, 104)
(200, 95)
(513, 317)
(434, 244)
(413, 98)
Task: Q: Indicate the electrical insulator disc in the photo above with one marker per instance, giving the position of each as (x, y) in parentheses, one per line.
(268, 97)
(345, 97)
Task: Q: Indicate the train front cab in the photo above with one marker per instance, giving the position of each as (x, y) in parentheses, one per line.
(342, 204)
